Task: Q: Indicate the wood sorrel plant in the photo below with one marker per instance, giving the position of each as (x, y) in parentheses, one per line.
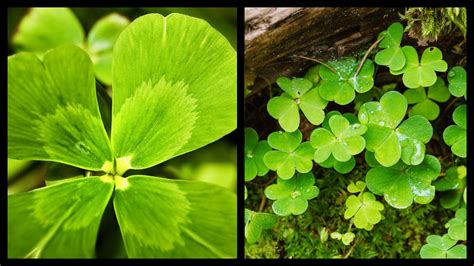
(174, 91)
(385, 141)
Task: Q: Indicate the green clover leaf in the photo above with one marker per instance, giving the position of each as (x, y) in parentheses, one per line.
(298, 94)
(254, 152)
(457, 81)
(43, 29)
(343, 141)
(421, 74)
(347, 238)
(392, 56)
(365, 209)
(291, 196)
(313, 74)
(402, 184)
(457, 225)
(256, 222)
(341, 86)
(357, 187)
(453, 179)
(165, 101)
(455, 135)
(424, 103)
(289, 154)
(389, 140)
(442, 247)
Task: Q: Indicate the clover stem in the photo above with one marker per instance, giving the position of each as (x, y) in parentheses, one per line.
(365, 56)
(450, 104)
(351, 250)
(318, 61)
(262, 203)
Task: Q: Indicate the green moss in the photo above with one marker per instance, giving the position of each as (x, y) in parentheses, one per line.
(429, 24)
(399, 235)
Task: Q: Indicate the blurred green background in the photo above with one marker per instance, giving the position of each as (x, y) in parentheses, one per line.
(215, 163)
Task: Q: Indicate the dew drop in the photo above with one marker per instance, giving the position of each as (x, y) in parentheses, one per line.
(451, 74)
(382, 123)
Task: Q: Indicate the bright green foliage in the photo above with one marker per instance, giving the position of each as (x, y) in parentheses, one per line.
(255, 222)
(291, 196)
(41, 221)
(402, 184)
(340, 87)
(454, 185)
(457, 78)
(392, 56)
(457, 226)
(254, 152)
(365, 209)
(455, 135)
(421, 73)
(424, 103)
(343, 141)
(313, 74)
(346, 238)
(298, 94)
(357, 187)
(53, 113)
(100, 43)
(196, 96)
(389, 140)
(159, 111)
(290, 154)
(16, 166)
(43, 29)
(438, 247)
(46, 28)
(185, 227)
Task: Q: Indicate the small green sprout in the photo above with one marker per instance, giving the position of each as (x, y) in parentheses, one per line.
(256, 222)
(290, 154)
(392, 56)
(421, 74)
(342, 141)
(402, 184)
(389, 140)
(313, 74)
(46, 28)
(357, 187)
(457, 81)
(254, 152)
(457, 226)
(365, 209)
(291, 196)
(438, 247)
(346, 238)
(453, 185)
(340, 87)
(455, 135)
(424, 103)
(298, 94)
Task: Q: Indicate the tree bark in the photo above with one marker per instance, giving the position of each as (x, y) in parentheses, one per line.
(275, 37)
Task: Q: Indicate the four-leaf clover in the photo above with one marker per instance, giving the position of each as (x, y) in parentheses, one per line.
(389, 140)
(424, 102)
(290, 154)
(402, 184)
(298, 94)
(254, 152)
(291, 196)
(343, 141)
(340, 87)
(455, 135)
(165, 100)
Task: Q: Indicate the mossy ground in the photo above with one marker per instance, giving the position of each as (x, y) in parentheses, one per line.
(400, 234)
